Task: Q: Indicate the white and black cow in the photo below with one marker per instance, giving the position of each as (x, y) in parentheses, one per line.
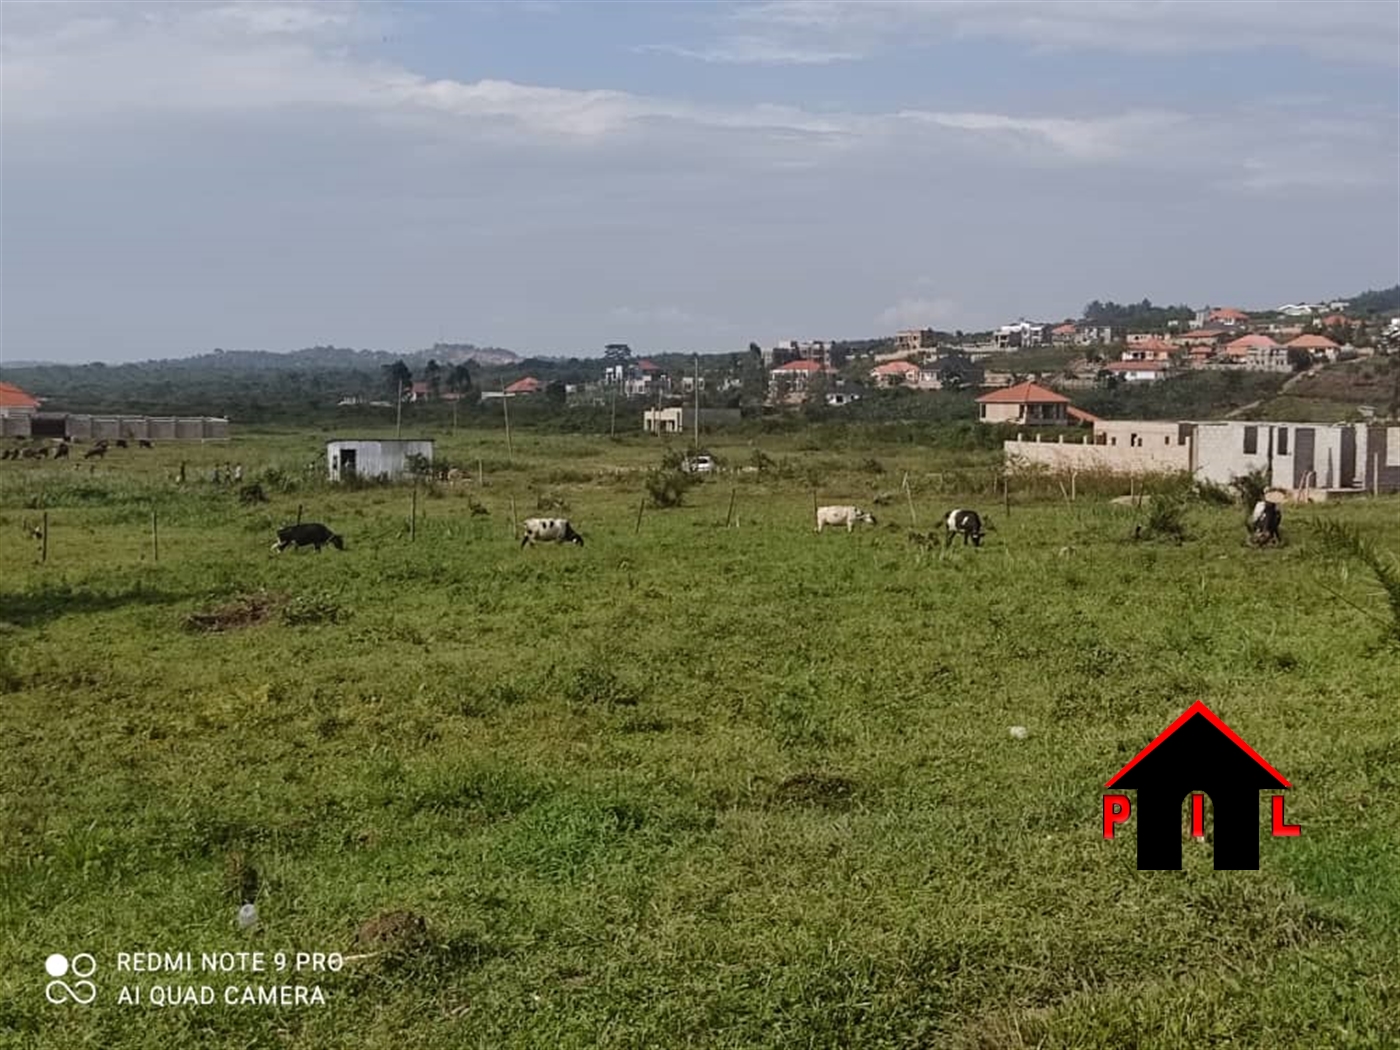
(549, 530)
(844, 515)
(1264, 521)
(964, 523)
(311, 534)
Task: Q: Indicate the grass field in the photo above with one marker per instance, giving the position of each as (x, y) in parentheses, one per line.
(687, 785)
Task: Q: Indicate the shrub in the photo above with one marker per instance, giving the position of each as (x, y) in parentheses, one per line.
(1211, 493)
(1346, 541)
(313, 608)
(1166, 516)
(252, 494)
(1252, 486)
(667, 488)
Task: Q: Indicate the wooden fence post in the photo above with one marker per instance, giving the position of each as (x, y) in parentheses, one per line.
(300, 508)
(640, 507)
(1006, 493)
(913, 519)
(729, 515)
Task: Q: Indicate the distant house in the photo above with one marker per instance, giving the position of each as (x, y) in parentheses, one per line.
(1139, 371)
(16, 410)
(528, 385)
(418, 391)
(819, 350)
(1211, 337)
(1149, 349)
(681, 419)
(1025, 403)
(1092, 334)
(1318, 347)
(790, 381)
(1021, 334)
(912, 340)
(1258, 353)
(1222, 317)
(1064, 335)
(374, 457)
(895, 373)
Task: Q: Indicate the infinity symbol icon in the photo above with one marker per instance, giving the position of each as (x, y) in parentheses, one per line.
(81, 992)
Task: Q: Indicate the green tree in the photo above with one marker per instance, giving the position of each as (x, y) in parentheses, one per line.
(432, 373)
(459, 379)
(555, 394)
(398, 376)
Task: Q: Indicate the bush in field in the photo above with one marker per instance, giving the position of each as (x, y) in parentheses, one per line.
(1209, 492)
(252, 494)
(313, 608)
(667, 488)
(1346, 541)
(1166, 516)
(552, 502)
(1251, 487)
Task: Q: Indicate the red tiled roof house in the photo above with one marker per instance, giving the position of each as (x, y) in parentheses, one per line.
(1027, 404)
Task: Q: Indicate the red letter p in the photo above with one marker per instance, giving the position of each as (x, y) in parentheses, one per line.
(1116, 810)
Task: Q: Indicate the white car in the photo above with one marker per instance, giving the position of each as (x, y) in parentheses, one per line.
(699, 465)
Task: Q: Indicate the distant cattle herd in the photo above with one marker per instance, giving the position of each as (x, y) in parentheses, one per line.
(60, 448)
(1263, 522)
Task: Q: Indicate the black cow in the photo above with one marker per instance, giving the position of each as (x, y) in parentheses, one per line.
(121, 443)
(97, 450)
(1264, 522)
(61, 452)
(964, 523)
(143, 443)
(311, 534)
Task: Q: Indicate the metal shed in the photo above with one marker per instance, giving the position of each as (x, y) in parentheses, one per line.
(373, 457)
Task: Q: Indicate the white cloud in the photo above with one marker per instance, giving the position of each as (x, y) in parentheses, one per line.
(748, 50)
(1345, 30)
(917, 313)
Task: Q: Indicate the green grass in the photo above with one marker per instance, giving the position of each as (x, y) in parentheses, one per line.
(693, 786)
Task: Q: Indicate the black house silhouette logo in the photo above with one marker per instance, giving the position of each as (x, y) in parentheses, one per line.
(1198, 753)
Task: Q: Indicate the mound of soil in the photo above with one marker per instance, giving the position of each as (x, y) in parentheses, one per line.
(245, 610)
(394, 931)
(815, 789)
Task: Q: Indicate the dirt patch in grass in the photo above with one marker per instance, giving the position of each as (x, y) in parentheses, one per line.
(815, 789)
(244, 610)
(394, 932)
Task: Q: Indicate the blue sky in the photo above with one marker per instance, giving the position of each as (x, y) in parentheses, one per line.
(555, 176)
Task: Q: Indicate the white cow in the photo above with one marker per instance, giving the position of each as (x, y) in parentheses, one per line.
(847, 516)
(550, 530)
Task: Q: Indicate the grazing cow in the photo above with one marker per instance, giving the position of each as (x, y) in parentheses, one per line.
(311, 534)
(143, 443)
(550, 530)
(61, 452)
(97, 450)
(121, 443)
(964, 523)
(1264, 521)
(845, 515)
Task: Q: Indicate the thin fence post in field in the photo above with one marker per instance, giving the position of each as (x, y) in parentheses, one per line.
(729, 515)
(44, 541)
(505, 408)
(300, 508)
(1073, 477)
(480, 474)
(913, 518)
(640, 507)
(1064, 491)
(413, 513)
(155, 537)
(1006, 493)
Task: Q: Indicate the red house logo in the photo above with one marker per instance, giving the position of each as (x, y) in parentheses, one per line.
(1196, 755)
